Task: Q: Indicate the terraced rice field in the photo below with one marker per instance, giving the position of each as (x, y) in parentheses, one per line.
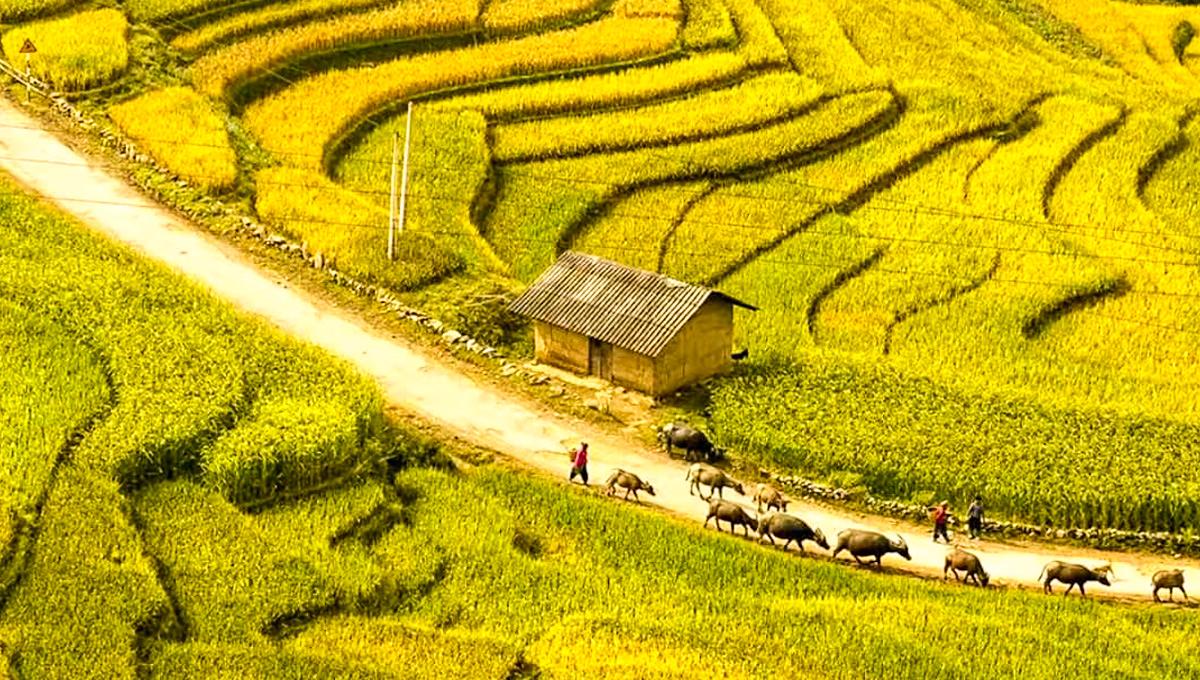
(118, 376)
(187, 494)
(975, 207)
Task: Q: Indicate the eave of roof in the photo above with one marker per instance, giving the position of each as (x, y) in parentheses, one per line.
(631, 308)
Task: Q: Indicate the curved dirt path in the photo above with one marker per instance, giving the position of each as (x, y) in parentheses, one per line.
(412, 381)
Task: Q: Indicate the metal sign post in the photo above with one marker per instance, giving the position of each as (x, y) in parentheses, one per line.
(27, 49)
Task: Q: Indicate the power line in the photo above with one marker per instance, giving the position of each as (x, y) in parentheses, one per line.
(258, 67)
(187, 28)
(1136, 322)
(736, 225)
(916, 209)
(824, 264)
(919, 209)
(821, 264)
(838, 264)
(336, 189)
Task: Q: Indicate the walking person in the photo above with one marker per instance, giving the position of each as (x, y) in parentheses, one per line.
(941, 517)
(975, 518)
(579, 464)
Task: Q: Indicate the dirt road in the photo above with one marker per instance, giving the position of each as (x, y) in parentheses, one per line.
(418, 384)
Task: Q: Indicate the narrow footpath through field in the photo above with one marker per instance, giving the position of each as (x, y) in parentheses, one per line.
(478, 413)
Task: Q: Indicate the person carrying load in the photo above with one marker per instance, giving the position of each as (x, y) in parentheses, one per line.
(579, 463)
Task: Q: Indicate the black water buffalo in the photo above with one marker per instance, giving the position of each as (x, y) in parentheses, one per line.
(789, 529)
(960, 560)
(861, 543)
(1169, 579)
(628, 481)
(1073, 575)
(694, 443)
(727, 511)
(713, 478)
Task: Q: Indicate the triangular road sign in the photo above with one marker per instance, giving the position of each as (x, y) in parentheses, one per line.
(27, 47)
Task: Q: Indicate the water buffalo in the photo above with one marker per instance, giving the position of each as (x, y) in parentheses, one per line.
(870, 544)
(714, 479)
(771, 496)
(1073, 575)
(628, 481)
(1169, 579)
(789, 529)
(695, 445)
(730, 512)
(960, 560)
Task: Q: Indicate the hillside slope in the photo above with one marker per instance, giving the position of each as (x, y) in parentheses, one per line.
(974, 218)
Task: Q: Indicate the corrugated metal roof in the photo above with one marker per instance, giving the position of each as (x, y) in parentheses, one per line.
(631, 308)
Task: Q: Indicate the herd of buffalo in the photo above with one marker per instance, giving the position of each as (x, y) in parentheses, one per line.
(776, 525)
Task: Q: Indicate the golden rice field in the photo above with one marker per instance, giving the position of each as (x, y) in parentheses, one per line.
(74, 52)
(186, 493)
(185, 130)
(971, 227)
(981, 205)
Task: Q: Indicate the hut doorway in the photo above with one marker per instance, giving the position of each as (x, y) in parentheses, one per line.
(600, 359)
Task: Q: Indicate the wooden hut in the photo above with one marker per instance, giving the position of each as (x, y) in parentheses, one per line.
(635, 328)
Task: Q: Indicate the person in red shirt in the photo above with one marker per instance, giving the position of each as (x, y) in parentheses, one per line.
(941, 517)
(579, 465)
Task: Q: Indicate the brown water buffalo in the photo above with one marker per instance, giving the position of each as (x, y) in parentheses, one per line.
(870, 544)
(727, 511)
(628, 481)
(1169, 579)
(1073, 575)
(771, 496)
(696, 446)
(789, 529)
(714, 479)
(960, 560)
